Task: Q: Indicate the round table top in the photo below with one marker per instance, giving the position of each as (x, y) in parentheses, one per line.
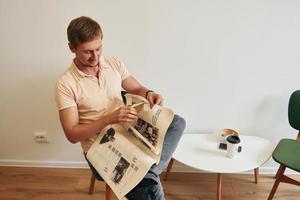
(201, 151)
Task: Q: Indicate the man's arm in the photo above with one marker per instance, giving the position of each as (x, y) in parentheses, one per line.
(76, 132)
(131, 85)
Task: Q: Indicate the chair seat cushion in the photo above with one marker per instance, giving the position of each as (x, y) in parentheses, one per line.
(287, 152)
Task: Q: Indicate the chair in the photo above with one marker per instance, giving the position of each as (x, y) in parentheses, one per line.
(287, 151)
(108, 191)
(94, 176)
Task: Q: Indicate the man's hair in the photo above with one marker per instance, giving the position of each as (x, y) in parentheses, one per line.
(83, 29)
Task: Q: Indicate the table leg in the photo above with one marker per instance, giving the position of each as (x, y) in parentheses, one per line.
(256, 173)
(219, 186)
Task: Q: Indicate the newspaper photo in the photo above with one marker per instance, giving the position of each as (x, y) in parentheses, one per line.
(123, 153)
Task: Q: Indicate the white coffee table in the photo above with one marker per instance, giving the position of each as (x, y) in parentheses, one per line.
(201, 151)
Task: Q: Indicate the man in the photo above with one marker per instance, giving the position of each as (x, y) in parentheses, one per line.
(89, 92)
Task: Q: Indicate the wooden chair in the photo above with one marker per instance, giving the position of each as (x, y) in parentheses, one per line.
(108, 191)
(94, 176)
(287, 151)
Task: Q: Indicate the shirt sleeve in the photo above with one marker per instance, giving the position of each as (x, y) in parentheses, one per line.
(121, 68)
(64, 97)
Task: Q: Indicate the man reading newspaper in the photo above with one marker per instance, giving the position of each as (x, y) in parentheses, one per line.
(88, 99)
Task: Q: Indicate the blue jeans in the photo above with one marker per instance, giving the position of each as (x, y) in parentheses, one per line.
(150, 187)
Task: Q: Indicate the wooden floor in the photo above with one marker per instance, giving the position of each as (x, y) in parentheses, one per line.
(21, 183)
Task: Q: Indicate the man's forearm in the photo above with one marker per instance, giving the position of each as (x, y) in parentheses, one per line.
(85, 131)
(140, 91)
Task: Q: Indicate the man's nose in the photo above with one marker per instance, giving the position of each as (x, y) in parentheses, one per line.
(95, 54)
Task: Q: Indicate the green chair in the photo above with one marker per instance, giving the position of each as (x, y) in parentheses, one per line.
(287, 152)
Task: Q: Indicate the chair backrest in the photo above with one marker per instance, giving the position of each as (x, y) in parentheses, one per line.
(294, 110)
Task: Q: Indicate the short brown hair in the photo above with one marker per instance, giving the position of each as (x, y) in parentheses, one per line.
(83, 29)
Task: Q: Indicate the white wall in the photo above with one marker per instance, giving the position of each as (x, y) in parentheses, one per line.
(218, 63)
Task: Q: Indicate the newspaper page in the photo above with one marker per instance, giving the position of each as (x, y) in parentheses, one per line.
(148, 127)
(123, 153)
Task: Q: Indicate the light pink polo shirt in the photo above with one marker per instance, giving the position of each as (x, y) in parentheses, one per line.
(93, 97)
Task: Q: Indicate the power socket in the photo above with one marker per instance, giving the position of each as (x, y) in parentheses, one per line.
(41, 137)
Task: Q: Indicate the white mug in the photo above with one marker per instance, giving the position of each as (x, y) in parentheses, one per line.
(232, 145)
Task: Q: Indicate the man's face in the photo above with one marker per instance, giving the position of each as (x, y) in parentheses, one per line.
(88, 53)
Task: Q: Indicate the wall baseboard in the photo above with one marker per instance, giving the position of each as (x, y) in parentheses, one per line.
(44, 163)
(177, 167)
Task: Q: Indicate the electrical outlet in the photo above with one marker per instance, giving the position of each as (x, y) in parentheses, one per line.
(41, 137)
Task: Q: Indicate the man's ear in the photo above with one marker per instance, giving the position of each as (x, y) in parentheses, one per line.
(71, 47)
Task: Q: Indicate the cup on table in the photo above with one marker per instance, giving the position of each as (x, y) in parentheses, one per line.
(233, 142)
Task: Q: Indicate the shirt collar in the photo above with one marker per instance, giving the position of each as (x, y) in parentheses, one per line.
(79, 73)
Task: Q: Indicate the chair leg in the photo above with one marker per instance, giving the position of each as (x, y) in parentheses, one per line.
(92, 183)
(108, 193)
(286, 179)
(277, 173)
(256, 174)
(277, 181)
(169, 168)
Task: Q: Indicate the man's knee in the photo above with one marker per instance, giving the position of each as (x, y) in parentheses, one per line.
(178, 123)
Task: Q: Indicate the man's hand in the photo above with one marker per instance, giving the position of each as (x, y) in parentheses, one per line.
(123, 114)
(155, 98)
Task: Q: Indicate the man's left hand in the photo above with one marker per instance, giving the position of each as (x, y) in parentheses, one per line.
(155, 98)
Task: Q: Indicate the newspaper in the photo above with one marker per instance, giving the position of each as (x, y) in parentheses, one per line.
(123, 153)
